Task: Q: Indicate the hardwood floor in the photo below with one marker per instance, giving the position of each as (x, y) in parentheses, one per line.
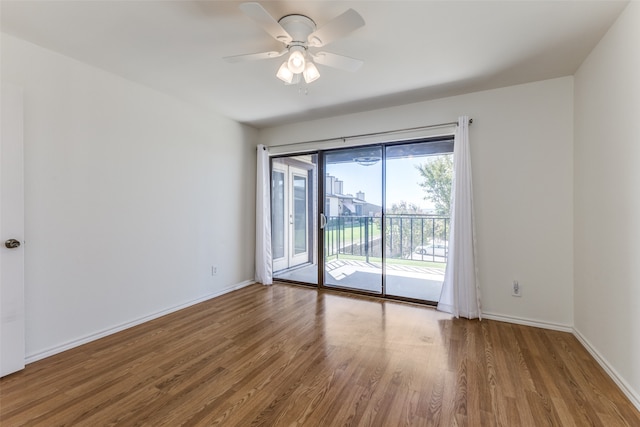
(288, 355)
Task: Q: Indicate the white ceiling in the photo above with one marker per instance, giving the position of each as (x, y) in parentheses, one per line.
(412, 50)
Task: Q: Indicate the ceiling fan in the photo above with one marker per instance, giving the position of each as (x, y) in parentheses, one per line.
(298, 34)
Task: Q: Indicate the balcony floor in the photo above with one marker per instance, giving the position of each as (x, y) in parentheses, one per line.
(423, 283)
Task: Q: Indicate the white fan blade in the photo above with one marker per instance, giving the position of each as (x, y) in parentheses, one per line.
(337, 61)
(336, 28)
(258, 13)
(254, 56)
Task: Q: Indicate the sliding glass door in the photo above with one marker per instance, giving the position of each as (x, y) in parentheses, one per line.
(371, 219)
(353, 215)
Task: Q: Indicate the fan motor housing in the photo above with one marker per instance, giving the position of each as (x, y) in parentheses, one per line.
(299, 27)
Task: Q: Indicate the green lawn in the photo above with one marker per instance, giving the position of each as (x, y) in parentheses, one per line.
(349, 235)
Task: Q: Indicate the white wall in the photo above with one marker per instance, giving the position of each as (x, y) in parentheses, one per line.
(522, 148)
(607, 199)
(130, 196)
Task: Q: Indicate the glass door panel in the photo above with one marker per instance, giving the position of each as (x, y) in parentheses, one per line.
(353, 212)
(293, 218)
(278, 216)
(417, 198)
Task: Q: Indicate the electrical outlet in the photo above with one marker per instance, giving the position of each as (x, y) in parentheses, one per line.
(516, 291)
(214, 270)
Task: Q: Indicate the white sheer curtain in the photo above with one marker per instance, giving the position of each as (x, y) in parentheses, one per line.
(264, 272)
(460, 290)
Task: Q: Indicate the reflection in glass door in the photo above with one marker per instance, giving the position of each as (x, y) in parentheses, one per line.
(293, 218)
(353, 214)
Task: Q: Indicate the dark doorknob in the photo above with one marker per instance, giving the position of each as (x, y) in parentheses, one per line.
(12, 243)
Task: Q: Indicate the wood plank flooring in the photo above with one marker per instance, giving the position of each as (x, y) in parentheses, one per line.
(287, 355)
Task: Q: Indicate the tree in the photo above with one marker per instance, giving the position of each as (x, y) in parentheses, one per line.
(399, 229)
(404, 208)
(437, 174)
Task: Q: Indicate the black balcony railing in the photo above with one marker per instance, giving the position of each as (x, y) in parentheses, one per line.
(416, 237)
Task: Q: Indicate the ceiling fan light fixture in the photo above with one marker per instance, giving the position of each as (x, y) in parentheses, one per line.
(298, 33)
(284, 73)
(296, 60)
(310, 73)
(296, 80)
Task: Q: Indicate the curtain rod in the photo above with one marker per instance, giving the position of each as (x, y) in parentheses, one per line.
(363, 135)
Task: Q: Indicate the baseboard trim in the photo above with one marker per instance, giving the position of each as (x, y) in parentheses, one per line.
(528, 322)
(632, 395)
(101, 334)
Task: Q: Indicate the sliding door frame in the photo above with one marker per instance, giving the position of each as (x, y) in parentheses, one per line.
(321, 207)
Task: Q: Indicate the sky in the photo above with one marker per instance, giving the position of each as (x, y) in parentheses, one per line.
(402, 181)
